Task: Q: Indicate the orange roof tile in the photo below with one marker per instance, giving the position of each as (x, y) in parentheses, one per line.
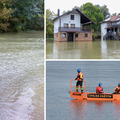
(113, 18)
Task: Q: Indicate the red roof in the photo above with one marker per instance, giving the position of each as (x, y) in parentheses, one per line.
(113, 18)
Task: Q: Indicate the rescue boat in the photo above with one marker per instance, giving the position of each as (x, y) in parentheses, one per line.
(91, 96)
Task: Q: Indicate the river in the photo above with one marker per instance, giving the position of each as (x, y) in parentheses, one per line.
(22, 76)
(59, 104)
(98, 49)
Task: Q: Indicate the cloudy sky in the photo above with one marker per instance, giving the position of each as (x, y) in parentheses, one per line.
(53, 5)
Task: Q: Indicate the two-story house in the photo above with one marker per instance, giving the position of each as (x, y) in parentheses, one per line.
(72, 26)
(110, 28)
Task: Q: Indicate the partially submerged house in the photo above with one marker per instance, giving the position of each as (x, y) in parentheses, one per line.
(110, 28)
(72, 26)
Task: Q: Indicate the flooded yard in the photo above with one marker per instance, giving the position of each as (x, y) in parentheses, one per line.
(98, 49)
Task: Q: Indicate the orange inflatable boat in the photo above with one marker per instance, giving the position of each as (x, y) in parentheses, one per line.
(91, 96)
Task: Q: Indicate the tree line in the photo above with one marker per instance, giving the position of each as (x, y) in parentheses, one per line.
(96, 13)
(21, 15)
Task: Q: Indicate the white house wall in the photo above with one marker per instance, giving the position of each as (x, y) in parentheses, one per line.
(103, 30)
(66, 19)
(56, 26)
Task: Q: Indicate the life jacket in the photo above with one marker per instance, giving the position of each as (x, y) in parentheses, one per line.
(80, 76)
(117, 90)
(99, 89)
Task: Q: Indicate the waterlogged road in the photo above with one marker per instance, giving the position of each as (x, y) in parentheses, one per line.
(59, 104)
(98, 49)
(21, 76)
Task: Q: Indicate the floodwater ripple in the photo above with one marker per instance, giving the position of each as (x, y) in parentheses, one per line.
(21, 78)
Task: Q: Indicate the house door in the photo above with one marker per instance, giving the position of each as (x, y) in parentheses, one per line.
(70, 36)
(115, 29)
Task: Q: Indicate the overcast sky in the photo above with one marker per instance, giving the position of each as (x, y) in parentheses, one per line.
(53, 5)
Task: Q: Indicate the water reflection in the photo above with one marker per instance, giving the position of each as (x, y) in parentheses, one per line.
(116, 105)
(77, 109)
(68, 49)
(92, 109)
(103, 49)
(98, 49)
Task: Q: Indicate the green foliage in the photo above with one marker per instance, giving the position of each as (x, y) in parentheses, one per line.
(49, 23)
(29, 14)
(20, 15)
(114, 14)
(104, 11)
(94, 13)
(65, 11)
(76, 7)
(5, 15)
(94, 35)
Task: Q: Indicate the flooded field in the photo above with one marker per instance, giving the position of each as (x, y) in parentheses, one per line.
(21, 76)
(60, 106)
(98, 49)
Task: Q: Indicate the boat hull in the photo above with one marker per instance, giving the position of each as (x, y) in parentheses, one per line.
(95, 96)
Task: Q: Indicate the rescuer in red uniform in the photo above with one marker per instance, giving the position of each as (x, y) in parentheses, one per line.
(117, 89)
(99, 88)
(80, 80)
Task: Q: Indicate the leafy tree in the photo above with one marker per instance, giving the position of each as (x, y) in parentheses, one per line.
(94, 35)
(21, 15)
(94, 13)
(28, 14)
(36, 15)
(65, 11)
(114, 14)
(104, 11)
(81, 8)
(49, 23)
(76, 7)
(5, 15)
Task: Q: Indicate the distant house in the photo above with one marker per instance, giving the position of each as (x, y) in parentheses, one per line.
(110, 28)
(72, 26)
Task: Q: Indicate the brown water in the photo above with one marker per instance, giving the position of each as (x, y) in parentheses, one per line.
(59, 104)
(21, 76)
(98, 49)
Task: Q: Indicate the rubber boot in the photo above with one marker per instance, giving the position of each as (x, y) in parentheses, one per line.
(81, 89)
(76, 89)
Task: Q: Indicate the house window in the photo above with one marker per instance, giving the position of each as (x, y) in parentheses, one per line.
(86, 35)
(76, 35)
(64, 35)
(72, 25)
(72, 17)
(65, 25)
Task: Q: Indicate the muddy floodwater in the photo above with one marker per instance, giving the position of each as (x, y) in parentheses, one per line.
(59, 104)
(21, 76)
(98, 49)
